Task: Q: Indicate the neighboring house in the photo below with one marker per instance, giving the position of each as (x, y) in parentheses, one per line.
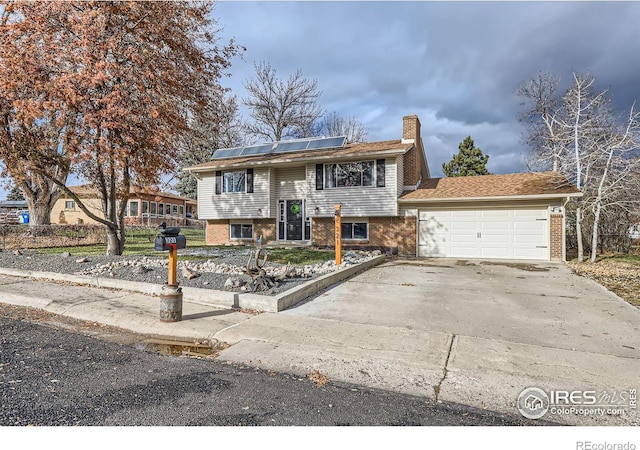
(634, 231)
(143, 208)
(286, 191)
(10, 210)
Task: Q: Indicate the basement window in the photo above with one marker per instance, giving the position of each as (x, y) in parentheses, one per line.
(241, 231)
(355, 231)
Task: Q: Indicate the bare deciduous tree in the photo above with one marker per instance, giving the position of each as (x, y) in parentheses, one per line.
(204, 138)
(616, 165)
(333, 124)
(545, 136)
(578, 135)
(280, 108)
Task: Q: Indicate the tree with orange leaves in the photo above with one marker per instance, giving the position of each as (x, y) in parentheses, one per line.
(104, 90)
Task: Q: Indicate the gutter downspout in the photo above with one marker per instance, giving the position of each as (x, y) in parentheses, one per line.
(564, 229)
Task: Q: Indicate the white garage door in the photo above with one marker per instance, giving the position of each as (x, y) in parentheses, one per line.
(521, 233)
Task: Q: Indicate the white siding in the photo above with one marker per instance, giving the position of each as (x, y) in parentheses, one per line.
(273, 200)
(400, 172)
(233, 205)
(407, 212)
(299, 182)
(366, 201)
(291, 183)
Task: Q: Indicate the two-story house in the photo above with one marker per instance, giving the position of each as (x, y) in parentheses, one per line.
(287, 191)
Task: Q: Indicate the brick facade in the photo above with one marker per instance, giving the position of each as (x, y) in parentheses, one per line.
(217, 232)
(411, 130)
(556, 238)
(389, 234)
(322, 231)
(265, 228)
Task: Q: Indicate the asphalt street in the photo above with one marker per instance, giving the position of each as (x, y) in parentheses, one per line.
(54, 371)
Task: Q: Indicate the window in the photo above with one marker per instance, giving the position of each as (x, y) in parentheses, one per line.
(348, 174)
(241, 231)
(161, 209)
(175, 210)
(181, 209)
(133, 209)
(355, 230)
(154, 208)
(69, 204)
(234, 181)
(145, 207)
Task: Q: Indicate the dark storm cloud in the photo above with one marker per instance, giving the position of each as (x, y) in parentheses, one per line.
(456, 64)
(379, 61)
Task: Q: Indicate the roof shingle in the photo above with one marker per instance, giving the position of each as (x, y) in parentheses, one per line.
(508, 185)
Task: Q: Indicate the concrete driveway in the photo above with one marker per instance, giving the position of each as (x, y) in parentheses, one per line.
(471, 332)
(528, 303)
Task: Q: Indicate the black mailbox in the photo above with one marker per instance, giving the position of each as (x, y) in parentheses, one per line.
(169, 239)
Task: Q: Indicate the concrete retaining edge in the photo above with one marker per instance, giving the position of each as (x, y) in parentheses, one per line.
(209, 297)
(292, 296)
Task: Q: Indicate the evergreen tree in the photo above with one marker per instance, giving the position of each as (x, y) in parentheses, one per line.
(15, 194)
(469, 161)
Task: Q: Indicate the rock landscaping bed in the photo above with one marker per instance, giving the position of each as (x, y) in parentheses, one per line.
(619, 277)
(220, 269)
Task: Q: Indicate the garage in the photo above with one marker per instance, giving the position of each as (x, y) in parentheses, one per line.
(492, 232)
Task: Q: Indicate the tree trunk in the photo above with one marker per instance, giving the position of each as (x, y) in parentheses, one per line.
(594, 235)
(39, 211)
(596, 217)
(579, 233)
(115, 241)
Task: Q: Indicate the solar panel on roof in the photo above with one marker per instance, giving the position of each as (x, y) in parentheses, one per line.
(227, 153)
(281, 147)
(257, 150)
(291, 146)
(332, 142)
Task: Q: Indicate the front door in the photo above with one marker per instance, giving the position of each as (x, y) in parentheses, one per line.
(294, 220)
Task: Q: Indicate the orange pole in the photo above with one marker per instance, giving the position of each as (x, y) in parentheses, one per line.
(173, 266)
(338, 234)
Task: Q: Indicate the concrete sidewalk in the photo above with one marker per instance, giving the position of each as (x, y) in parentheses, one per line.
(477, 371)
(135, 312)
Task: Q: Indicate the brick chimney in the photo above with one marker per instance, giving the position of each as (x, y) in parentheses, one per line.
(411, 134)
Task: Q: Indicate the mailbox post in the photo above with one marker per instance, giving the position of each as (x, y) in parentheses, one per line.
(171, 296)
(338, 233)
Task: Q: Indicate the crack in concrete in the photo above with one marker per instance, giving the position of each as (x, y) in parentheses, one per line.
(445, 369)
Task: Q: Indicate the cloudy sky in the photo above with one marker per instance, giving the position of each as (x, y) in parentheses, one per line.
(457, 65)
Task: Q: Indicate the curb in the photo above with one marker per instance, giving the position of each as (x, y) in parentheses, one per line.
(209, 297)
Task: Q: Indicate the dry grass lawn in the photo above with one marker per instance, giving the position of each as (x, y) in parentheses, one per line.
(620, 275)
